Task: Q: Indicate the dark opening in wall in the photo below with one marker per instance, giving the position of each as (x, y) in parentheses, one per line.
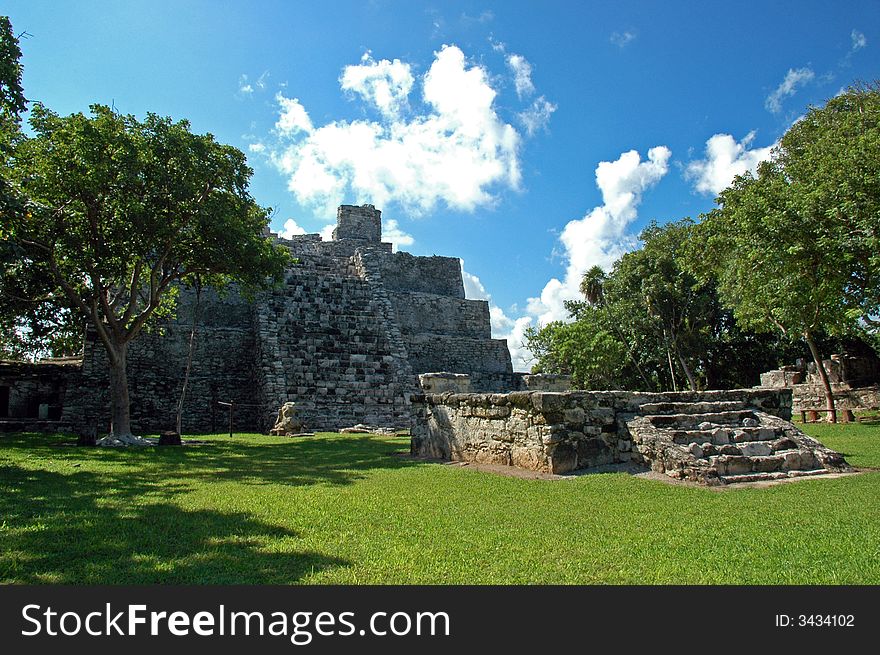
(4, 402)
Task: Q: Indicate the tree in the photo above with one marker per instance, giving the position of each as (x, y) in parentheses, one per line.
(650, 322)
(12, 100)
(119, 212)
(795, 247)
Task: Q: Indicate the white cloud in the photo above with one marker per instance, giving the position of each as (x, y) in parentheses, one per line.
(257, 148)
(793, 79)
(392, 233)
(725, 159)
(327, 232)
(601, 236)
(537, 116)
(859, 40)
(290, 229)
(503, 327)
(456, 152)
(385, 84)
(522, 75)
(622, 39)
(292, 116)
(244, 87)
(473, 288)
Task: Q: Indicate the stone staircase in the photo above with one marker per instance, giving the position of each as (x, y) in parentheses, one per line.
(724, 442)
(333, 355)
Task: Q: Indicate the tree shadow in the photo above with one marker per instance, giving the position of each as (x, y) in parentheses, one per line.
(296, 462)
(102, 528)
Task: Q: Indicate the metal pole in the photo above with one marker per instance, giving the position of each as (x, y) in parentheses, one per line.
(231, 406)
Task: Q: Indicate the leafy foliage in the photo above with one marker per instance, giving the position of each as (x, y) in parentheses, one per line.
(651, 324)
(794, 248)
(118, 212)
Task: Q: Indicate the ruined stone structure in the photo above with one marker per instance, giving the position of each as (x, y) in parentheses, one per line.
(32, 394)
(854, 381)
(711, 437)
(344, 337)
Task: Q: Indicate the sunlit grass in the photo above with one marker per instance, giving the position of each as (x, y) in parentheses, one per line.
(350, 509)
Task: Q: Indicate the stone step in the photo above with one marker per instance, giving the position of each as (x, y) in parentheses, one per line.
(725, 435)
(775, 475)
(792, 460)
(693, 408)
(731, 419)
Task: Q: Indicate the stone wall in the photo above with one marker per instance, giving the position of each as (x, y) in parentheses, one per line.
(428, 313)
(362, 223)
(33, 393)
(440, 352)
(552, 431)
(222, 370)
(812, 396)
(327, 342)
(438, 275)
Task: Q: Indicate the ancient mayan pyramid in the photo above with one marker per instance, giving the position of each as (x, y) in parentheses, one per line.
(344, 338)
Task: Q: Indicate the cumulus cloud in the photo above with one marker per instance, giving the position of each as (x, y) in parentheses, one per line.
(292, 116)
(456, 152)
(522, 75)
(622, 39)
(290, 229)
(599, 238)
(327, 232)
(385, 84)
(793, 79)
(392, 233)
(602, 235)
(537, 116)
(503, 326)
(725, 159)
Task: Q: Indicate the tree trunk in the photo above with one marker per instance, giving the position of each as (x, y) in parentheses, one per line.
(120, 405)
(823, 375)
(692, 383)
(189, 357)
(669, 359)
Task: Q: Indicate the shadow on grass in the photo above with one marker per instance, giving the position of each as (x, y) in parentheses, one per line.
(73, 515)
(302, 461)
(88, 528)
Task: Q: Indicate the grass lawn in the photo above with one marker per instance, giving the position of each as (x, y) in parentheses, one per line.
(343, 509)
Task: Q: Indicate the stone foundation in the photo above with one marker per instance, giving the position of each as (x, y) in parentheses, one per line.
(669, 432)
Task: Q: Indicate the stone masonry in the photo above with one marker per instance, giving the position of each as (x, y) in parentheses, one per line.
(710, 437)
(344, 337)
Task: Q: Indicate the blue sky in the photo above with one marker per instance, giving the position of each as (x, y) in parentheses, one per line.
(530, 139)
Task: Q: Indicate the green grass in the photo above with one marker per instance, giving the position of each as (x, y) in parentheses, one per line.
(344, 509)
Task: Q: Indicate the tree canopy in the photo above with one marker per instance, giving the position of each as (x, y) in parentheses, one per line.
(794, 247)
(650, 324)
(118, 212)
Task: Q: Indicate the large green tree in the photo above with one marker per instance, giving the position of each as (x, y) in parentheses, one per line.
(796, 247)
(119, 212)
(650, 324)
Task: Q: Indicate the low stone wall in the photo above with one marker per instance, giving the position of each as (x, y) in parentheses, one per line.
(556, 432)
(811, 396)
